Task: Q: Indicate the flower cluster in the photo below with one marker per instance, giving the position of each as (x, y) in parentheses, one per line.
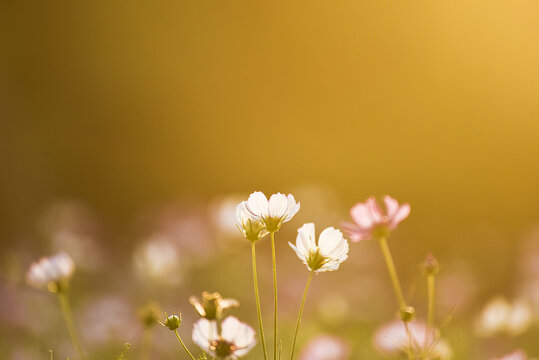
(222, 337)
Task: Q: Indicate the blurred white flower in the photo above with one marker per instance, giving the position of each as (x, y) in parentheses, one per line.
(515, 355)
(159, 260)
(212, 305)
(325, 347)
(392, 338)
(234, 341)
(252, 229)
(222, 212)
(326, 255)
(51, 272)
(501, 316)
(274, 212)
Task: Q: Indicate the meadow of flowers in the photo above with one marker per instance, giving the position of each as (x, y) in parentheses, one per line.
(232, 293)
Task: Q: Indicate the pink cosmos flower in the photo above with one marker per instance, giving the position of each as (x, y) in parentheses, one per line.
(516, 355)
(370, 221)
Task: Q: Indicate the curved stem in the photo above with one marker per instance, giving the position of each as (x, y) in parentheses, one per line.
(183, 345)
(301, 313)
(68, 317)
(257, 299)
(274, 262)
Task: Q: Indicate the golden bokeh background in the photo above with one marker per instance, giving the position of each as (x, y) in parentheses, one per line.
(127, 105)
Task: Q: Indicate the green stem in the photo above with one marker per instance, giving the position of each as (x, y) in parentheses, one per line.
(301, 313)
(257, 299)
(68, 317)
(396, 287)
(430, 314)
(126, 347)
(146, 343)
(183, 345)
(274, 263)
(410, 350)
(392, 273)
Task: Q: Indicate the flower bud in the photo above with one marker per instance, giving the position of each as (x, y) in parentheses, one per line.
(407, 314)
(172, 322)
(430, 265)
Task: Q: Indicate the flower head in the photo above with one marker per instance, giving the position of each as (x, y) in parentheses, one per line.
(172, 322)
(52, 273)
(274, 212)
(501, 316)
(252, 229)
(370, 221)
(430, 266)
(392, 338)
(234, 341)
(326, 255)
(212, 305)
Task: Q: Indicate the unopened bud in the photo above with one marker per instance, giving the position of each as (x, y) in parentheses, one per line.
(407, 313)
(172, 322)
(430, 265)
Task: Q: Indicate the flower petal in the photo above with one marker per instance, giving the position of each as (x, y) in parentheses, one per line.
(257, 205)
(204, 331)
(400, 215)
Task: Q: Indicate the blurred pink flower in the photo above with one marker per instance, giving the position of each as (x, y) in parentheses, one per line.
(370, 221)
(515, 355)
(325, 348)
(392, 338)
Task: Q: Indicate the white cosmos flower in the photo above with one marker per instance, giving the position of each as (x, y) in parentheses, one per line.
(234, 341)
(274, 212)
(252, 229)
(327, 255)
(51, 272)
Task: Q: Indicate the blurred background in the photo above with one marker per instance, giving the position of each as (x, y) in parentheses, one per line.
(130, 130)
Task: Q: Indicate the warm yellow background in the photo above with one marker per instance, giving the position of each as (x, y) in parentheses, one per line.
(125, 104)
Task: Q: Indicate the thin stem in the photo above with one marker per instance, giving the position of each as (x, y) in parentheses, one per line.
(126, 347)
(410, 350)
(392, 273)
(301, 313)
(147, 340)
(396, 287)
(430, 314)
(257, 299)
(68, 317)
(183, 345)
(274, 262)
